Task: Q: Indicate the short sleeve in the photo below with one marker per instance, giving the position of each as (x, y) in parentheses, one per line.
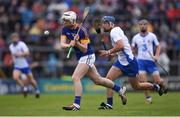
(133, 44)
(116, 34)
(155, 40)
(84, 36)
(24, 47)
(10, 48)
(63, 31)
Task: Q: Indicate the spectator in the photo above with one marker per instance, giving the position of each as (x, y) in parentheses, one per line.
(52, 65)
(36, 30)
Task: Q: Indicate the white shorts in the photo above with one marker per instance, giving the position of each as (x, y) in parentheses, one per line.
(88, 59)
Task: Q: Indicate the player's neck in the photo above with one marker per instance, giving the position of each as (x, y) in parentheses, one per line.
(74, 26)
(15, 43)
(143, 33)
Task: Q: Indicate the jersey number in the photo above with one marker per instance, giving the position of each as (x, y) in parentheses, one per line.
(144, 47)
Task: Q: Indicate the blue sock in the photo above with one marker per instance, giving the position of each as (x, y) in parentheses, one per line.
(116, 88)
(110, 101)
(77, 100)
(36, 88)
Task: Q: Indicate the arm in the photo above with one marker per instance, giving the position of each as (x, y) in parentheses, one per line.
(63, 42)
(134, 50)
(82, 47)
(82, 43)
(157, 53)
(158, 47)
(24, 51)
(134, 46)
(23, 54)
(119, 46)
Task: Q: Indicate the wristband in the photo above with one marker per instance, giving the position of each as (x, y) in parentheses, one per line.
(108, 52)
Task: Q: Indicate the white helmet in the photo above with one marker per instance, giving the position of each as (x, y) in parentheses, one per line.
(69, 15)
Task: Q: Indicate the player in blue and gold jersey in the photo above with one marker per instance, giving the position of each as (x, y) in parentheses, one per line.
(68, 33)
(85, 56)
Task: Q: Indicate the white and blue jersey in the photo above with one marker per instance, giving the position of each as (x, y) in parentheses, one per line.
(20, 63)
(145, 45)
(126, 62)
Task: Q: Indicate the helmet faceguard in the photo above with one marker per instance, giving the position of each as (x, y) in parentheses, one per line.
(69, 15)
(109, 19)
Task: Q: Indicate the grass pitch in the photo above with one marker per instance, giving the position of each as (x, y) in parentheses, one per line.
(51, 105)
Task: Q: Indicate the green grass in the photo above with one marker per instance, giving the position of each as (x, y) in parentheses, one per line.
(51, 105)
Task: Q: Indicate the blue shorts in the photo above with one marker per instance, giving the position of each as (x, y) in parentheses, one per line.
(25, 70)
(147, 66)
(130, 70)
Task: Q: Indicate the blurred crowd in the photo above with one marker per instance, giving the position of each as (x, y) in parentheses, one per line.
(30, 18)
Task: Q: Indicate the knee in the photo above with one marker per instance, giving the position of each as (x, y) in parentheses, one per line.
(141, 80)
(97, 81)
(15, 78)
(75, 78)
(31, 80)
(159, 81)
(108, 77)
(136, 86)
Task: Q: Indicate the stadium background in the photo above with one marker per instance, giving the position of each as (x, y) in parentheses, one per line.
(30, 18)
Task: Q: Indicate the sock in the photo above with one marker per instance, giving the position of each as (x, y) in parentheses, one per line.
(25, 88)
(116, 88)
(36, 88)
(110, 101)
(77, 100)
(148, 97)
(156, 87)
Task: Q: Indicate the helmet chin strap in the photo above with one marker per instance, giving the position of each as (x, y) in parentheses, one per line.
(111, 24)
(74, 22)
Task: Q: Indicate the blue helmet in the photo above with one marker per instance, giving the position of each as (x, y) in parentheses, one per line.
(108, 19)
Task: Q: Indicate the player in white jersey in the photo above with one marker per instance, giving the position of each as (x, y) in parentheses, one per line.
(126, 63)
(145, 42)
(19, 52)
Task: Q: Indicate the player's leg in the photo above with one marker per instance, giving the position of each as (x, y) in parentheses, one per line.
(27, 71)
(142, 86)
(113, 74)
(16, 77)
(25, 80)
(132, 72)
(78, 74)
(32, 80)
(157, 79)
(145, 86)
(143, 78)
(80, 71)
(98, 80)
(153, 70)
(34, 84)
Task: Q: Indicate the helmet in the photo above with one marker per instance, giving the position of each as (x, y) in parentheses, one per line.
(108, 19)
(69, 15)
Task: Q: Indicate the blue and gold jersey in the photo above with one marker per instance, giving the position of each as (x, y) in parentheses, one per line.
(83, 39)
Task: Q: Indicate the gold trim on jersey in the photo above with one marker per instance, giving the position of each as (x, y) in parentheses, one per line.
(85, 41)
